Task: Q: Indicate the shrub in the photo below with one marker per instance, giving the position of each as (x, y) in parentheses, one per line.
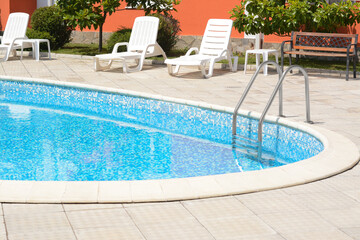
(169, 28)
(31, 33)
(50, 20)
(122, 35)
(275, 17)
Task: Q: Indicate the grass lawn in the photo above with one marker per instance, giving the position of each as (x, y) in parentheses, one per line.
(92, 50)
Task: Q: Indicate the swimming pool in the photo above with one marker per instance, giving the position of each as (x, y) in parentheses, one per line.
(53, 133)
(73, 144)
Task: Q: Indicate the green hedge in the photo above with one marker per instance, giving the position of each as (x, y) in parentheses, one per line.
(49, 20)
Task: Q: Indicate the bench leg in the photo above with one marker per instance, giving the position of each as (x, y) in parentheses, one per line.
(354, 65)
(290, 63)
(347, 68)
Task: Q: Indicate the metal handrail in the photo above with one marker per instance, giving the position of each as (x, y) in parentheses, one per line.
(278, 87)
(247, 89)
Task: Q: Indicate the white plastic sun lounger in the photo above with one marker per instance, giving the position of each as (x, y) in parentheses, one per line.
(15, 31)
(142, 44)
(215, 46)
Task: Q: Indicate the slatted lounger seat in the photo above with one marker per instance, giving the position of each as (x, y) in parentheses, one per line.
(215, 46)
(142, 44)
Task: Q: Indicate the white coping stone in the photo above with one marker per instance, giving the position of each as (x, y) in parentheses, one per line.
(339, 154)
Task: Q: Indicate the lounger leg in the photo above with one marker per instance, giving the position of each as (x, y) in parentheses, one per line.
(230, 62)
(98, 67)
(246, 60)
(235, 63)
(203, 72)
(265, 58)
(125, 67)
(211, 69)
(7, 54)
(177, 69)
(135, 69)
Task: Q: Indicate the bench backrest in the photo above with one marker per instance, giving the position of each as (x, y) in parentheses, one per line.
(331, 42)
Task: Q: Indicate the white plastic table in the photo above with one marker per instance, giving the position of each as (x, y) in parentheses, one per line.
(36, 47)
(265, 53)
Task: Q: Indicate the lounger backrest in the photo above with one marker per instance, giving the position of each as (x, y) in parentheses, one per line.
(216, 37)
(143, 33)
(15, 27)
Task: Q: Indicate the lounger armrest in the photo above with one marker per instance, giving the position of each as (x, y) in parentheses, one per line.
(16, 39)
(19, 38)
(223, 53)
(117, 45)
(193, 49)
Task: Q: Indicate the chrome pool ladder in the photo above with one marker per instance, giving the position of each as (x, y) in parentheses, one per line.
(252, 146)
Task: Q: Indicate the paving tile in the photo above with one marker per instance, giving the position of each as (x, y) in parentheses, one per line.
(30, 209)
(44, 235)
(269, 202)
(315, 187)
(352, 232)
(327, 200)
(36, 223)
(318, 235)
(188, 229)
(342, 218)
(216, 208)
(236, 227)
(296, 222)
(158, 213)
(346, 183)
(81, 207)
(2, 229)
(124, 232)
(263, 237)
(99, 218)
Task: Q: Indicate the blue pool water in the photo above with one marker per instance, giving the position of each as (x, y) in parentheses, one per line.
(52, 133)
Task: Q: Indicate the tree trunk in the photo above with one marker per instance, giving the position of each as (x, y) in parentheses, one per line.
(101, 32)
(100, 37)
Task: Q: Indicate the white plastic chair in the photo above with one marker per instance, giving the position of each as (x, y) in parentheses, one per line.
(258, 50)
(215, 46)
(142, 44)
(15, 31)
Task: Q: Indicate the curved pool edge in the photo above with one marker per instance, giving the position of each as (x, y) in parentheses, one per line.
(331, 161)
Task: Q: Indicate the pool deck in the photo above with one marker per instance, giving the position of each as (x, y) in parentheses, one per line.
(326, 209)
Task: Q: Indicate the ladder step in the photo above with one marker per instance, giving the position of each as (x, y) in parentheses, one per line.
(243, 138)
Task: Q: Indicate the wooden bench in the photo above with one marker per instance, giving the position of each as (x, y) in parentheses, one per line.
(322, 44)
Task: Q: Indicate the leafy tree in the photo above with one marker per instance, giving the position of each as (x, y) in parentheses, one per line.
(93, 13)
(275, 17)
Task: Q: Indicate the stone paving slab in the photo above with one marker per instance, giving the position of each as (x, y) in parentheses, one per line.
(326, 209)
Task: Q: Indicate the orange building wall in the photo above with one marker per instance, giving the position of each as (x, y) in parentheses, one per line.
(4, 13)
(10, 6)
(192, 15)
